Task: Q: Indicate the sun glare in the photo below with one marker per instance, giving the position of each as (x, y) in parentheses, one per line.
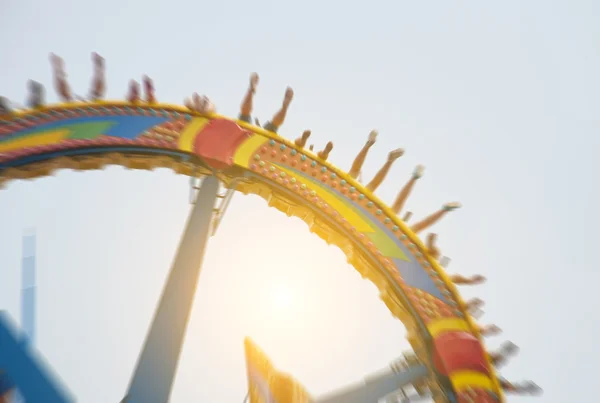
(281, 297)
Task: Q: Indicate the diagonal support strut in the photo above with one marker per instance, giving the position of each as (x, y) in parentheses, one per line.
(377, 386)
(153, 377)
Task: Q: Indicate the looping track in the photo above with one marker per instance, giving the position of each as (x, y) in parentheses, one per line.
(337, 208)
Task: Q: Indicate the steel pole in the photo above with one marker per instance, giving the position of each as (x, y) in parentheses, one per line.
(153, 377)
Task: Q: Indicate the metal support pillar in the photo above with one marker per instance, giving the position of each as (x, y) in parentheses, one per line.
(28, 288)
(153, 377)
(27, 309)
(27, 297)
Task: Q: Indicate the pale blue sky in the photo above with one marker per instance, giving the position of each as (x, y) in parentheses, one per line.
(498, 99)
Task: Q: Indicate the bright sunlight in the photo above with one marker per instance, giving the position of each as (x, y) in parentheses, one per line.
(281, 297)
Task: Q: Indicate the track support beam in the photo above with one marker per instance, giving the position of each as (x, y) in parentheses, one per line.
(153, 377)
(376, 386)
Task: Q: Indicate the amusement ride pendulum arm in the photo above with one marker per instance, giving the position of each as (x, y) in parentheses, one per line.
(153, 377)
